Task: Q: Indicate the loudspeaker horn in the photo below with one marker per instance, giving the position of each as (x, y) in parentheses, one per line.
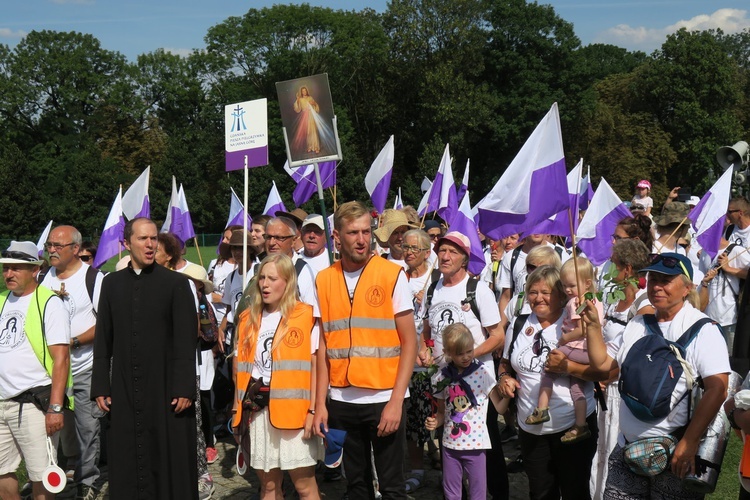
(732, 156)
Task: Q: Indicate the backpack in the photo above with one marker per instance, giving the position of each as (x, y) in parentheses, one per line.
(471, 297)
(91, 274)
(652, 368)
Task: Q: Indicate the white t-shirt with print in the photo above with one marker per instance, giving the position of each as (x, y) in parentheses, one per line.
(402, 301)
(707, 354)
(446, 309)
(220, 274)
(20, 369)
(519, 272)
(268, 325)
(529, 367)
(232, 294)
(81, 311)
(465, 426)
(722, 290)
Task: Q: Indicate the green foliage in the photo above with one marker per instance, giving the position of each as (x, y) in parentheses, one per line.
(77, 120)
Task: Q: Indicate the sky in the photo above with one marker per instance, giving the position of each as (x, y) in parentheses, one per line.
(178, 26)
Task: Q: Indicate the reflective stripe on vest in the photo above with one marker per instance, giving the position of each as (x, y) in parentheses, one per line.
(362, 345)
(291, 384)
(33, 326)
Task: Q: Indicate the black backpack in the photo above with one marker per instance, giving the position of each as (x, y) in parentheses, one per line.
(471, 296)
(652, 368)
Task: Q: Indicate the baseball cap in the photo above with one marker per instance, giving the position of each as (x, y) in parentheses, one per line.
(314, 220)
(334, 441)
(644, 184)
(671, 264)
(458, 239)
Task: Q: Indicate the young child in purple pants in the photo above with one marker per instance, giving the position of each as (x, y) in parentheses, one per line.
(463, 387)
(573, 345)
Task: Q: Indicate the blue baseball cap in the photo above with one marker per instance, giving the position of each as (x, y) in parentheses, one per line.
(334, 441)
(670, 264)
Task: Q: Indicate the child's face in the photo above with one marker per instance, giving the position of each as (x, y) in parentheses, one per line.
(463, 359)
(642, 191)
(571, 286)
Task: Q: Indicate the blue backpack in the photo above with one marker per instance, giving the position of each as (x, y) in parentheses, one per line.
(653, 367)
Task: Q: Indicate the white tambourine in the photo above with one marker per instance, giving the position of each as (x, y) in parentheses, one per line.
(240, 461)
(53, 478)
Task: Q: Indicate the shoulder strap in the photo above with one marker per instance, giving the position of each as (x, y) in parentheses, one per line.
(435, 276)
(513, 259)
(430, 293)
(692, 332)
(41, 275)
(559, 250)
(471, 297)
(299, 266)
(652, 326)
(517, 325)
(728, 231)
(91, 274)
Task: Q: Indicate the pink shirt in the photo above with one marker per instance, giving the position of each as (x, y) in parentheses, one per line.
(572, 320)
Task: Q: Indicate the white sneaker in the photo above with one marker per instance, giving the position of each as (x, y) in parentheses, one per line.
(206, 488)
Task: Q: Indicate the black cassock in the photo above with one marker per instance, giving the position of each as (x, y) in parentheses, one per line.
(146, 327)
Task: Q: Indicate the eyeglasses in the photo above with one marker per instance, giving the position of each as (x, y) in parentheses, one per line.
(86, 258)
(409, 248)
(18, 256)
(669, 262)
(280, 239)
(49, 245)
(618, 238)
(434, 236)
(539, 345)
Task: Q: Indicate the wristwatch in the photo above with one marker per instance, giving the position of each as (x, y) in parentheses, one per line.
(76, 343)
(55, 409)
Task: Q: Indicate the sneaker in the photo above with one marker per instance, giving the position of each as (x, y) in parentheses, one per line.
(211, 455)
(26, 492)
(86, 492)
(206, 488)
(539, 416)
(508, 434)
(515, 466)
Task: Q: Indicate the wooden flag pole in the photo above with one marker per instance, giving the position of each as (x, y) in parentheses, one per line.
(661, 246)
(200, 257)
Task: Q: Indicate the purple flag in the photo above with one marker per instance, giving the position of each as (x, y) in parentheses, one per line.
(463, 222)
(274, 202)
(135, 202)
(709, 214)
(378, 178)
(529, 190)
(587, 191)
(442, 196)
(464, 183)
(304, 178)
(598, 225)
(109, 243)
(178, 221)
(559, 224)
(236, 212)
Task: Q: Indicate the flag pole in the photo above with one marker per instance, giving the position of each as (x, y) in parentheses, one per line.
(321, 199)
(200, 257)
(244, 232)
(661, 247)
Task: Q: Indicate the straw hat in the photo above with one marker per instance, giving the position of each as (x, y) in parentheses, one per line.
(390, 221)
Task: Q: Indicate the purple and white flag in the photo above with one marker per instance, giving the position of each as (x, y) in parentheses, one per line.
(709, 214)
(237, 212)
(587, 191)
(559, 224)
(422, 208)
(463, 222)
(464, 183)
(304, 178)
(398, 204)
(178, 220)
(442, 196)
(598, 225)
(110, 241)
(135, 202)
(378, 178)
(274, 203)
(529, 190)
(43, 239)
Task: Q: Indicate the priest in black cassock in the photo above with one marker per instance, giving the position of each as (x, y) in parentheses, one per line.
(146, 332)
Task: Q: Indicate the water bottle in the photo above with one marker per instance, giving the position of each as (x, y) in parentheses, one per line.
(207, 327)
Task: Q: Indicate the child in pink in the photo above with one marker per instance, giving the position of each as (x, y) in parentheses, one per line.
(572, 344)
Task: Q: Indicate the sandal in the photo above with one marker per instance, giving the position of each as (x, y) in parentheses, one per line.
(539, 416)
(576, 433)
(414, 482)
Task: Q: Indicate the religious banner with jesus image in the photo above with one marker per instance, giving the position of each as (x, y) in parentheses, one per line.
(246, 134)
(308, 120)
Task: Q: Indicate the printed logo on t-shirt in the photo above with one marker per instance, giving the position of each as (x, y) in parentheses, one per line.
(293, 338)
(375, 296)
(531, 358)
(12, 334)
(444, 314)
(266, 345)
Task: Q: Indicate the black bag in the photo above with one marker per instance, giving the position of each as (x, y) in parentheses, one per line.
(38, 396)
(256, 395)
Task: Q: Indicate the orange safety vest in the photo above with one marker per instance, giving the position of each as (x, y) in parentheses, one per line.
(362, 344)
(291, 368)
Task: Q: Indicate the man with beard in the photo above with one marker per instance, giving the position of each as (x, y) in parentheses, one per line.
(368, 347)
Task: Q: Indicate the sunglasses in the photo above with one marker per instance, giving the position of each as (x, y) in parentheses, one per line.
(19, 256)
(86, 258)
(669, 262)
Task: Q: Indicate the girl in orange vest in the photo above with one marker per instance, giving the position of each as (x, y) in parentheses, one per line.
(276, 344)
